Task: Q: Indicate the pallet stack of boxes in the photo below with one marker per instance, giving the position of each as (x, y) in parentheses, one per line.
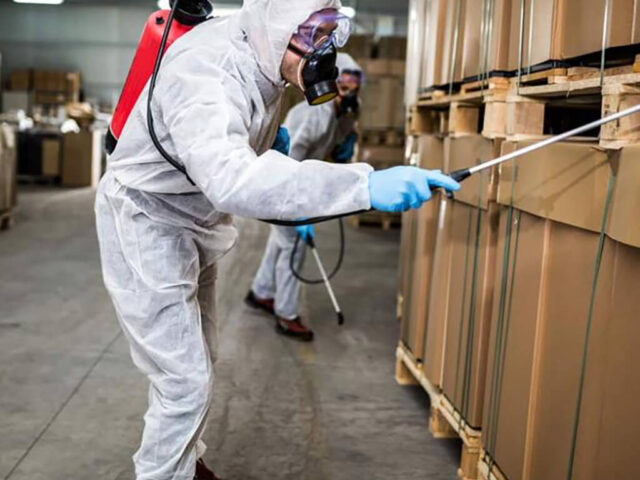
(7, 174)
(382, 117)
(518, 296)
(44, 154)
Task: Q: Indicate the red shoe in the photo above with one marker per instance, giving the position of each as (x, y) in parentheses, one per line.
(264, 304)
(294, 328)
(203, 473)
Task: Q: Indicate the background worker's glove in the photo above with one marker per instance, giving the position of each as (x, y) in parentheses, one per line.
(283, 141)
(343, 153)
(398, 189)
(306, 232)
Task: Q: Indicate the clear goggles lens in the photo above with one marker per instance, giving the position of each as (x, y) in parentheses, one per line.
(323, 28)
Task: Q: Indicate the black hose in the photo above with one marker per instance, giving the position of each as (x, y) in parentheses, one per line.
(152, 86)
(336, 269)
(175, 164)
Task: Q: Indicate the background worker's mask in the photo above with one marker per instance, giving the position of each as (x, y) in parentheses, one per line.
(349, 106)
(317, 42)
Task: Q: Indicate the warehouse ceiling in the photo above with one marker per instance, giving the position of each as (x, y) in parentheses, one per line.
(385, 7)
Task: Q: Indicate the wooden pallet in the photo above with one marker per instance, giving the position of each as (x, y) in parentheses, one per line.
(487, 84)
(523, 112)
(382, 219)
(37, 180)
(391, 137)
(545, 77)
(6, 220)
(433, 95)
(444, 421)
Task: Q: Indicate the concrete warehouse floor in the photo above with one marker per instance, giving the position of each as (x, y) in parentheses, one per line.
(71, 402)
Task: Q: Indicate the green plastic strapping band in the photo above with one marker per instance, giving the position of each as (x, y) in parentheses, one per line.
(461, 325)
(472, 318)
(592, 301)
(501, 338)
(507, 324)
(408, 293)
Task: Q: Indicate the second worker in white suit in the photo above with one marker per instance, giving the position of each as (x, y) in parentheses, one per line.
(315, 132)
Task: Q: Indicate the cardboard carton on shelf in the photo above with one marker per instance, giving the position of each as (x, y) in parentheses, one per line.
(51, 149)
(21, 80)
(419, 230)
(564, 29)
(8, 161)
(359, 46)
(485, 36)
(548, 248)
(392, 48)
(77, 160)
(382, 99)
(431, 43)
(381, 156)
(473, 223)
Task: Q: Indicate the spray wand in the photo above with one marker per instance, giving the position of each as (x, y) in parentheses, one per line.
(463, 174)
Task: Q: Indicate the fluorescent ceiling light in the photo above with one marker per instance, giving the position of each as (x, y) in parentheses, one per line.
(348, 11)
(40, 2)
(219, 10)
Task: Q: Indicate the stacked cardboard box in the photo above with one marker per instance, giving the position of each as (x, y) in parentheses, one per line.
(456, 40)
(419, 230)
(39, 154)
(471, 236)
(561, 393)
(7, 168)
(78, 165)
(524, 328)
(41, 87)
(383, 105)
(561, 29)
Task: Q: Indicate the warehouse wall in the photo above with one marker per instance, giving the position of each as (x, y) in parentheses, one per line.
(99, 41)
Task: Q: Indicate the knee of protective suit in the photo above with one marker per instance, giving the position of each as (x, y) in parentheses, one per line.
(191, 391)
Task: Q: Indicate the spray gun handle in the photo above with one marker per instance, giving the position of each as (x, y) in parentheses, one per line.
(459, 176)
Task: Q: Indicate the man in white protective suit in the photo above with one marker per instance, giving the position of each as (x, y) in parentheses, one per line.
(216, 109)
(315, 132)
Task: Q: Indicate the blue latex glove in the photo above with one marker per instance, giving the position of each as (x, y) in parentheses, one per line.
(283, 141)
(398, 189)
(343, 153)
(306, 232)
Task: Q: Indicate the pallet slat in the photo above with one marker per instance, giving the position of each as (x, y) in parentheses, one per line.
(444, 421)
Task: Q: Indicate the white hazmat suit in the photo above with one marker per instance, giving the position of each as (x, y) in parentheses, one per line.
(216, 108)
(314, 132)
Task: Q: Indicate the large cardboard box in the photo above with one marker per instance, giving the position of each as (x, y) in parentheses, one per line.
(359, 46)
(453, 42)
(547, 294)
(473, 223)
(77, 160)
(432, 42)
(485, 36)
(381, 156)
(21, 80)
(418, 237)
(392, 48)
(51, 156)
(561, 29)
(7, 168)
(382, 103)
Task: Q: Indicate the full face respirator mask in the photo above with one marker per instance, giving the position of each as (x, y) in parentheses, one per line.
(318, 74)
(317, 42)
(349, 106)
